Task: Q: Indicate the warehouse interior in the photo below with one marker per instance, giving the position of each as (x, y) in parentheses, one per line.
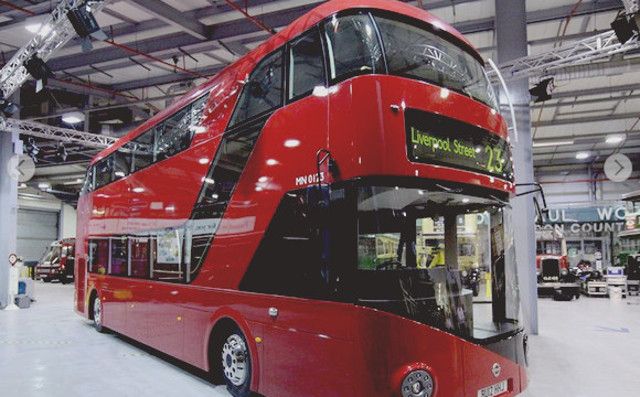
(572, 82)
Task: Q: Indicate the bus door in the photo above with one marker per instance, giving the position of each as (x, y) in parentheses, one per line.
(306, 325)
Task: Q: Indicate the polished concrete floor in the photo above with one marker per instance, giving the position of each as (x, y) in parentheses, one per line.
(587, 348)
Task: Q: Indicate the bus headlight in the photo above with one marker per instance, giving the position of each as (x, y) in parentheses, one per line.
(417, 383)
(564, 272)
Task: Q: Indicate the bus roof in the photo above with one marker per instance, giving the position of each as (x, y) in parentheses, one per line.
(292, 30)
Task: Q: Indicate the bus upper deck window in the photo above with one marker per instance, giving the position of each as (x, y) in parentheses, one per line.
(263, 90)
(306, 64)
(88, 181)
(142, 148)
(174, 134)
(104, 172)
(122, 162)
(353, 46)
(413, 51)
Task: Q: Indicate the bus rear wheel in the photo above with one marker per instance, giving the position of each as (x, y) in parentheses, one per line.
(236, 362)
(96, 306)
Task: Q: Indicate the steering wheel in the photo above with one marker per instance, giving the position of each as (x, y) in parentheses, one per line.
(391, 264)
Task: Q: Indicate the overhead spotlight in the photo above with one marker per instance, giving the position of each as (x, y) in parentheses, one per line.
(583, 155)
(626, 26)
(32, 150)
(61, 152)
(542, 91)
(38, 24)
(73, 117)
(615, 139)
(8, 108)
(86, 26)
(39, 70)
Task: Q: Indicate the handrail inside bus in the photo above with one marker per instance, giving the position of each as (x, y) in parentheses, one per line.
(506, 93)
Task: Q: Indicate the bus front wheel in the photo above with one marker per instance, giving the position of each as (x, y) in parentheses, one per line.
(236, 362)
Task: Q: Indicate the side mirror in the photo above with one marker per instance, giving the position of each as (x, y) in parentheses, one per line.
(541, 211)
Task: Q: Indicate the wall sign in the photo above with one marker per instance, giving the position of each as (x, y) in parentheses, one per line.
(435, 139)
(592, 219)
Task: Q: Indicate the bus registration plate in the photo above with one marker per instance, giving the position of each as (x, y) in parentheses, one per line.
(493, 390)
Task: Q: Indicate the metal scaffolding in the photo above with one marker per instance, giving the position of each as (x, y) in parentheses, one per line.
(54, 33)
(67, 135)
(631, 6)
(597, 47)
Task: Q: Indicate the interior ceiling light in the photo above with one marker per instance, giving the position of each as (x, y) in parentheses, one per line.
(44, 186)
(39, 28)
(73, 117)
(39, 70)
(553, 143)
(615, 139)
(34, 24)
(582, 155)
(626, 26)
(86, 26)
(542, 91)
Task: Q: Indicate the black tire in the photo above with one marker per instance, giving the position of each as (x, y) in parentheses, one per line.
(96, 314)
(562, 296)
(235, 359)
(46, 279)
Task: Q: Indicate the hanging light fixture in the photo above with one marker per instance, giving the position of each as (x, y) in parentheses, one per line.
(542, 91)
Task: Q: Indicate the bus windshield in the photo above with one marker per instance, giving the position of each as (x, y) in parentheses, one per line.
(439, 257)
(417, 53)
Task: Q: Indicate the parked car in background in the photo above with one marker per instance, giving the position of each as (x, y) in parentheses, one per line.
(58, 262)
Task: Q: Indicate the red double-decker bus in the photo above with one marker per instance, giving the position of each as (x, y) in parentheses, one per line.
(302, 224)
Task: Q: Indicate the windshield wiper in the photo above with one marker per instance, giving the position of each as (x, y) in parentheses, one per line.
(448, 189)
(499, 199)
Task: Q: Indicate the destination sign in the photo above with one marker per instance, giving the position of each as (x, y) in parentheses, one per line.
(435, 139)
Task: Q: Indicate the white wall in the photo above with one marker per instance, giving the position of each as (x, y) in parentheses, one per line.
(67, 221)
(34, 199)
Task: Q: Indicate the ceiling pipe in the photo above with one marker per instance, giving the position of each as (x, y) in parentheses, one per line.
(15, 7)
(253, 19)
(153, 58)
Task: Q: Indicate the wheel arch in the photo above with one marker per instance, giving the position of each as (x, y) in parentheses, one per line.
(93, 294)
(220, 321)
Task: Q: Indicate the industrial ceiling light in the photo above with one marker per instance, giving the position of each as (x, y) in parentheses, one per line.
(553, 143)
(44, 186)
(38, 24)
(86, 26)
(626, 26)
(583, 155)
(39, 70)
(542, 91)
(615, 139)
(73, 117)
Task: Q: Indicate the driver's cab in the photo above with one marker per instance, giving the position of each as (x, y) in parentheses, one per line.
(416, 247)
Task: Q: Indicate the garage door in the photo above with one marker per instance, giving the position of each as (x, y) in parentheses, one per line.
(36, 231)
